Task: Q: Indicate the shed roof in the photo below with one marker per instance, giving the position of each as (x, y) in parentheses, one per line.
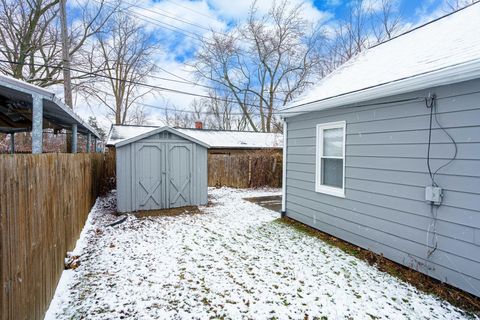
(441, 52)
(16, 106)
(155, 131)
(213, 138)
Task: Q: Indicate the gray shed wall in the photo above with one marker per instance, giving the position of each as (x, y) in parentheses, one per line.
(384, 208)
(126, 166)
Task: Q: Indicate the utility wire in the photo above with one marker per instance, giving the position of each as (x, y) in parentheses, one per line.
(430, 105)
(182, 79)
(189, 111)
(190, 9)
(287, 111)
(93, 75)
(158, 23)
(166, 14)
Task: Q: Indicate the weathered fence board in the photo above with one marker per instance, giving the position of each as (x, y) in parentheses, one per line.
(44, 202)
(245, 170)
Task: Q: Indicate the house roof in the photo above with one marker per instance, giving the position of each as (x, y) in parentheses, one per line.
(16, 100)
(213, 138)
(441, 52)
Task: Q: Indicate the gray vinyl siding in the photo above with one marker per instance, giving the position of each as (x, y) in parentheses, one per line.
(126, 164)
(384, 208)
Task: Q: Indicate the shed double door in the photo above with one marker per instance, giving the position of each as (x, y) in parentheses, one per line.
(163, 175)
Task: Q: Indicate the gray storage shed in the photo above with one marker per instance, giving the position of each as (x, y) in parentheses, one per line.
(161, 169)
(367, 148)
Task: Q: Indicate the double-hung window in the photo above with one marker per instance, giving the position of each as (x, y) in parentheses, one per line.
(330, 160)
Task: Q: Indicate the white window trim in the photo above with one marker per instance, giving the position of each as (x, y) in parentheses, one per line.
(319, 187)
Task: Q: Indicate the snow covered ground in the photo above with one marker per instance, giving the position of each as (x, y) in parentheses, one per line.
(233, 261)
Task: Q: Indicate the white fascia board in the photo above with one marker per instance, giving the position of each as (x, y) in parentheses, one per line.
(449, 75)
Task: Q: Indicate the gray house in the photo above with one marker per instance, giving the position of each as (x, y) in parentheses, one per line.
(160, 169)
(385, 151)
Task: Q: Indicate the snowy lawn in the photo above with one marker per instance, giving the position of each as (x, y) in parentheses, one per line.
(233, 261)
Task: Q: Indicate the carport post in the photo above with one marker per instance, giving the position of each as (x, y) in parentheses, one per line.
(95, 144)
(12, 142)
(89, 142)
(37, 124)
(74, 138)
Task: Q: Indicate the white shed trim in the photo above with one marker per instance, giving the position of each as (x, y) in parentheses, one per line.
(156, 131)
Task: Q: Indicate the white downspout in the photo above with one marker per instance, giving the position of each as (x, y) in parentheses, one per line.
(284, 167)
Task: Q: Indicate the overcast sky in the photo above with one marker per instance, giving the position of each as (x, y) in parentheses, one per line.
(177, 22)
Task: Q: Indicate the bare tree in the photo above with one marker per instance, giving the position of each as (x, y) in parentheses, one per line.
(173, 117)
(30, 38)
(263, 64)
(222, 114)
(386, 21)
(362, 27)
(350, 35)
(454, 5)
(122, 60)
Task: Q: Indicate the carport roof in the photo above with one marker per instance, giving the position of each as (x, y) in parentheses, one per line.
(16, 109)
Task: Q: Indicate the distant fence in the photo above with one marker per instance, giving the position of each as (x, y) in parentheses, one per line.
(245, 170)
(44, 202)
(109, 175)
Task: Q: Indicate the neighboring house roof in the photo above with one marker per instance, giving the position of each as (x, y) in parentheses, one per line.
(441, 52)
(54, 110)
(236, 139)
(213, 138)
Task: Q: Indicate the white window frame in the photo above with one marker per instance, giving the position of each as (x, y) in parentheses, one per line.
(319, 187)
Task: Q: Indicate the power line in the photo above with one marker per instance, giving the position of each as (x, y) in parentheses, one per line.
(190, 9)
(285, 111)
(156, 22)
(188, 111)
(182, 31)
(183, 80)
(235, 102)
(136, 82)
(156, 11)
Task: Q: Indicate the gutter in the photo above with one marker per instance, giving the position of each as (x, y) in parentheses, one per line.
(449, 75)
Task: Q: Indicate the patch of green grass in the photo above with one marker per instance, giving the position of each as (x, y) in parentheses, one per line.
(461, 299)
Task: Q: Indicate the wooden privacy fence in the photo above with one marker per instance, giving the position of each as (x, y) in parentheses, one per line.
(245, 170)
(44, 202)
